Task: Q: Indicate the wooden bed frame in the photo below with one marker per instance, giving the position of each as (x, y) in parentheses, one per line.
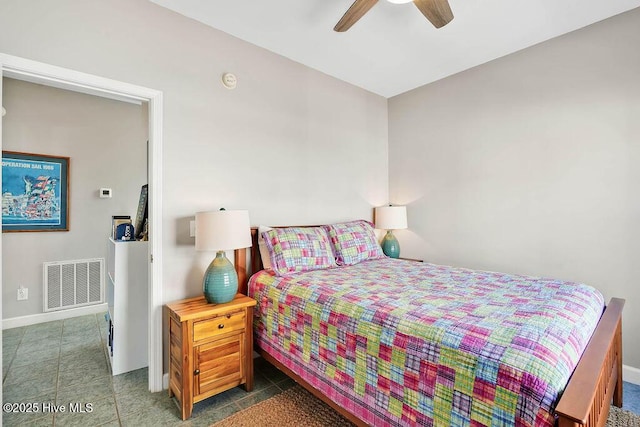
(596, 381)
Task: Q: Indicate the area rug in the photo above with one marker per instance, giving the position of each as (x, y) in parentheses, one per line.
(621, 418)
(297, 407)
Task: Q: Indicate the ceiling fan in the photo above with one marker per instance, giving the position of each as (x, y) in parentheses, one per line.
(437, 12)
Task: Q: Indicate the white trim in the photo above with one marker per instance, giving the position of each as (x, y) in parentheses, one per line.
(65, 78)
(165, 381)
(631, 374)
(34, 319)
(155, 244)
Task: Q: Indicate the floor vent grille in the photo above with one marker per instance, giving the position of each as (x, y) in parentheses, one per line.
(69, 284)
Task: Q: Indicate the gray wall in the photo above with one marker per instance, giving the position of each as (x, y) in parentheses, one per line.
(290, 144)
(529, 164)
(107, 144)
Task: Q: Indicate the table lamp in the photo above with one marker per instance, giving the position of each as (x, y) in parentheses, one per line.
(219, 231)
(391, 218)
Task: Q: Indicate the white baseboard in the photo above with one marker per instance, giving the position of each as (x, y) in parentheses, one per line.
(34, 319)
(631, 374)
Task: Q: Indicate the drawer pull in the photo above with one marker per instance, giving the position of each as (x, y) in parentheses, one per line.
(223, 324)
(196, 372)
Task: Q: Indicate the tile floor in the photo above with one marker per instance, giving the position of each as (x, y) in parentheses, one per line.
(631, 397)
(65, 362)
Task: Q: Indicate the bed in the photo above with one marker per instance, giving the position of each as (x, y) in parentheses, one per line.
(395, 342)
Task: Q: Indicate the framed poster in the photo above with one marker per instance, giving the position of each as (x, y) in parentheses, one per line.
(35, 192)
(142, 212)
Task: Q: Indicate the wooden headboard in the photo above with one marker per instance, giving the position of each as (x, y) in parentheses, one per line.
(246, 269)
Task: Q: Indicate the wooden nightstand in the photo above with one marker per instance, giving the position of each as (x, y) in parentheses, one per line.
(211, 348)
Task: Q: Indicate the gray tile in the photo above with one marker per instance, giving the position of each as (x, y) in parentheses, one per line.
(150, 419)
(46, 371)
(87, 392)
(269, 371)
(256, 397)
(45, 421)
(39, 335)
(7, 353)
(220, 399)
(29, 388)
(27, 420)
(36, 417)
(80, 349)
(13, 333)
(286, 384)
(104, 332)
(35, 333)
(80, 339)
(260, 382)
(29, 354)
(130, 405)
(37, 346)
(86, 332)
(90, 358)
(137, 380)
(66, 362)
(86, 413)
(56, 324)
(83, 375)
(213, 414)
(10, 341)
(114, 423)
(631, 397)
(80, 321)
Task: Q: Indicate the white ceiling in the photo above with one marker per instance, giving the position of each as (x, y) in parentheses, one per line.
(393, 48)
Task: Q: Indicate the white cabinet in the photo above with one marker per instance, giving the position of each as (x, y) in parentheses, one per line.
(127, 290)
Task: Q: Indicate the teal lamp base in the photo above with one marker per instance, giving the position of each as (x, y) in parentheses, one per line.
(390, 245)
(220, 282)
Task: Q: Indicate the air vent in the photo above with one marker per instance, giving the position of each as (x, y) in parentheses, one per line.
(69, 284)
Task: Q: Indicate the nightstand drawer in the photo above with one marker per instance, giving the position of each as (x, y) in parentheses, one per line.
(219, 325)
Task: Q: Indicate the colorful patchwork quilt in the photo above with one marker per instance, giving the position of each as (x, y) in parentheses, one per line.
(406, 343)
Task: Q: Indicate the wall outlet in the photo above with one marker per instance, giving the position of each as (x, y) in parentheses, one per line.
(23, 294)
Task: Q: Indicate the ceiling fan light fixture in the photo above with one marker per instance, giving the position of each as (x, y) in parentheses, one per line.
(438, 12)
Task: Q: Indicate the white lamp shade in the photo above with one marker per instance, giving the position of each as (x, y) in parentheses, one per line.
(391, 217)
(222, 230)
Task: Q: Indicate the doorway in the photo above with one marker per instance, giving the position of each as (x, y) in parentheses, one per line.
(63, 78)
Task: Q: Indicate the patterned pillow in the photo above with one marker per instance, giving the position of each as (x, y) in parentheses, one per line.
(294, 249)
(262, 247)
(354, 241)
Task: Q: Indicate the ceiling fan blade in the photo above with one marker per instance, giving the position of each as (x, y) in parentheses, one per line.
(355, 12)
(437, 12)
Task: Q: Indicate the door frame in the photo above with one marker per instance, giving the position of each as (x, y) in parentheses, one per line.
(64, 78)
